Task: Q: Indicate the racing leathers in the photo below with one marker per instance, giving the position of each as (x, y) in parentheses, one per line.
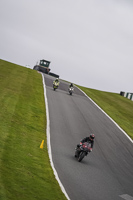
(89, 140)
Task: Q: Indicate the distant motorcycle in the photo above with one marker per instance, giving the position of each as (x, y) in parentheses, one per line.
(82, 151)
(71, 90)
(55, 85)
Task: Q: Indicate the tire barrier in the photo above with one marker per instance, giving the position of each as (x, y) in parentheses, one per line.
(53, 74)
(128, 95)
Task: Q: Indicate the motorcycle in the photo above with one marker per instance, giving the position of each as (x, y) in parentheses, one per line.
(55, 85)
(82, 150)
(71, 89)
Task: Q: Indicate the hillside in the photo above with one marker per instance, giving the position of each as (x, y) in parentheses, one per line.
(25, 170)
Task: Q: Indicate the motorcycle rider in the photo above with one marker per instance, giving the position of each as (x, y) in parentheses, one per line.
(89, 139)
(71, 85)
(71, 88)
(56, 81)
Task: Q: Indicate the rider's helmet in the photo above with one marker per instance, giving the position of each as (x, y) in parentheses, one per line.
(71, 84)
(92, 136)
(56, 79)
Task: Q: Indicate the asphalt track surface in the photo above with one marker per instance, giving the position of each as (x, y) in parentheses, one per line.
(107, 172)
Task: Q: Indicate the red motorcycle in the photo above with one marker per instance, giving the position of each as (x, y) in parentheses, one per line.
(82, 150)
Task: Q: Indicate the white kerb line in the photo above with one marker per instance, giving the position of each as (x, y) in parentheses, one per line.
(48, 141)
(107, 115)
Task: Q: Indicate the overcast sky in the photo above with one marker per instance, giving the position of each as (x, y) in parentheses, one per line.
(89, 42)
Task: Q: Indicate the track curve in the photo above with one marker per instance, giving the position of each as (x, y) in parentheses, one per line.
(107, 172)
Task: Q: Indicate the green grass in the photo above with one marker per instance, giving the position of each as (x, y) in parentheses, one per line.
(25, 171)
(119, 108)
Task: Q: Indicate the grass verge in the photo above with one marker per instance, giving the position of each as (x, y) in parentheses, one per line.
(119, 108)
(25, 171)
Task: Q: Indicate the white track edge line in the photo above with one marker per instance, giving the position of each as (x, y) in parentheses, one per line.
(48, 141)
(107, 115)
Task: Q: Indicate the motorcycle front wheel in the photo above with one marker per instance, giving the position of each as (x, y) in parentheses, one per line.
(81, 156)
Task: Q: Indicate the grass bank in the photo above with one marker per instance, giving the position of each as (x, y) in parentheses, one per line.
(119, 108)
(25, 171)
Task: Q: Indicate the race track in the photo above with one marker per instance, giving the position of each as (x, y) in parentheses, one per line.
(107, 172)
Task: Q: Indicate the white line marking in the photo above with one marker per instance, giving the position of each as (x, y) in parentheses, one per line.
(107, 116)
(126, 197)
(48, 141)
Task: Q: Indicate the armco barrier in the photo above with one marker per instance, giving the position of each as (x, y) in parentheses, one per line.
(128, 95)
